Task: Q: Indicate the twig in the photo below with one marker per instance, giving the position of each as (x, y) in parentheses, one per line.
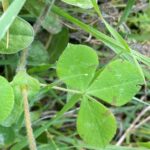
(141, 101)
(142, 122)
(132, 126)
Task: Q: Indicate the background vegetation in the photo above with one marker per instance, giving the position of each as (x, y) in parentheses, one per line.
(118, 26)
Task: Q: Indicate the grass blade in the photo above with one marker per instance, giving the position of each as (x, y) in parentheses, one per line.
(113, 32)
(9, 16)
(126, 11)
(108, 41)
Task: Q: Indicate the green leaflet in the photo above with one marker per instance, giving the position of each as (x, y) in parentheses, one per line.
(95, 123)
(77, 66)
(6, 99)
(15, 113)
(9, 16)
(52, 23)
(117, 83)
(80, 3)
(58, 44)
(23, 79)
(36, 50)
(21, 36)
(7, 136)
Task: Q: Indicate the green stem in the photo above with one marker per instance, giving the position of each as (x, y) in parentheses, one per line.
(22, 62)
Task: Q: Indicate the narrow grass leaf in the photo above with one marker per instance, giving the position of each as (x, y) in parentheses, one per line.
(80, 3)
(9, 16)
(126, 12)
(108, 41)
(113, 32)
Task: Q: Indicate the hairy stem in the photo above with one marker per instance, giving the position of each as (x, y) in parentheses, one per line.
(24, 89)
(23, 59)
(31, 140)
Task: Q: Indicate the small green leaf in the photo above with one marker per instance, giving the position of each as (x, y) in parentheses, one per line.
(36, 50)
(15, 113)
(22, 79)
(7, 136)
(51, 22)
(6, 99)
(95, 123)
(21, 36)
(80, 3)
(58, 44)
(117, 83)
(77, 65)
